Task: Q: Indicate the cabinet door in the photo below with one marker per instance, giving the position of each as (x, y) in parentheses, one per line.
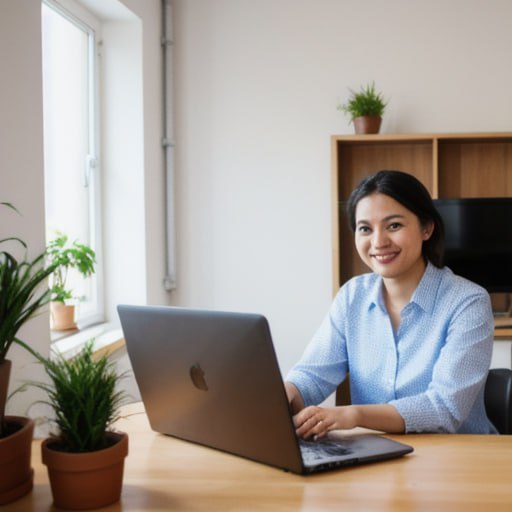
(476, 167)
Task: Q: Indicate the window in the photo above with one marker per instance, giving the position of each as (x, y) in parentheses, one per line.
(110, 175)
(70, 74)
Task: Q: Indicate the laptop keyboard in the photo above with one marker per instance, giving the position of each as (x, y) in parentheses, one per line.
(314, 452)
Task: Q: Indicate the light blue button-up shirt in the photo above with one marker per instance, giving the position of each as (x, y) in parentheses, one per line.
(432, 370)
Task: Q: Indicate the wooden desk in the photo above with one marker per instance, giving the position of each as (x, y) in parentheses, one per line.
(445, 473)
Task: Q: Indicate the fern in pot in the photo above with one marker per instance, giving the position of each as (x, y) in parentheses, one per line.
(85, 456)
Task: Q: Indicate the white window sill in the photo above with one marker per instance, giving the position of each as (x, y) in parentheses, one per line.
(107, 339)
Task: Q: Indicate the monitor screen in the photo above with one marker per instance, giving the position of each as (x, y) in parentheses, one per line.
(478, 240)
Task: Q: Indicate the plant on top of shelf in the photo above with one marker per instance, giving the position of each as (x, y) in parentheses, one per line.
(363, 106)
(66, 256)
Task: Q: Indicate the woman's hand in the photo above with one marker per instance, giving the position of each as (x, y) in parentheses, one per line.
(316, 421)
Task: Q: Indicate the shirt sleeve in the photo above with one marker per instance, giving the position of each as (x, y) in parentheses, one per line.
(458, 374)
(323, 364)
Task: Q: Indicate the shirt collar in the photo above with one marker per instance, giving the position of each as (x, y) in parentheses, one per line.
(424, 295)
(375, 296)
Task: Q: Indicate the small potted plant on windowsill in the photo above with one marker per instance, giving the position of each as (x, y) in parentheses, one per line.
(85, 458)
(66, 256)
(23, 293)
(365, 109)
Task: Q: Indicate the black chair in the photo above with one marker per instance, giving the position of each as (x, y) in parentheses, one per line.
(498, 399)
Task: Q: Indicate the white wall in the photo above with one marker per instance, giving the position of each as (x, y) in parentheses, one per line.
(257, 89)
(149, 189)
(21, 161)
(257, 84)
(122, 169)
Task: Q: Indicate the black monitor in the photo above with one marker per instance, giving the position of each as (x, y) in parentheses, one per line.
(478, 240)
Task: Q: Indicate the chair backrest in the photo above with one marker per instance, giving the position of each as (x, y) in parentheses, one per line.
(498, 399)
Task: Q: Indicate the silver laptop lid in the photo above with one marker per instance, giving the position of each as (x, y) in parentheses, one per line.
(212, 378)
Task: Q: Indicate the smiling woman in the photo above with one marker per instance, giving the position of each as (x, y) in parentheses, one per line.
(389, 239)
(416, 337)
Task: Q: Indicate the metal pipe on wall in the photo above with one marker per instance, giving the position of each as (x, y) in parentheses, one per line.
(168, 144)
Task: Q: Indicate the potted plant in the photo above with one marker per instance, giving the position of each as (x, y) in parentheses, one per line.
(66, 256)
(23, 292)
(365, 109)
(85, 458)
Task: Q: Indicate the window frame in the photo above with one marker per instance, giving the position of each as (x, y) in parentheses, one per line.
(77, 14)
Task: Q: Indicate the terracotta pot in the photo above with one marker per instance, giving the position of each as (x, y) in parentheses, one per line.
(87, 480)
(16, 475)
(367, 124)
(62, 316)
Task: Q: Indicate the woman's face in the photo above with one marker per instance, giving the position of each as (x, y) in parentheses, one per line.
(389, 237)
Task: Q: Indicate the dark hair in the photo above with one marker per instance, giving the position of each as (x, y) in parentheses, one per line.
(411, 193)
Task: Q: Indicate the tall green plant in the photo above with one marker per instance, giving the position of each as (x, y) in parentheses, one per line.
(83, 395)
(23, 289)
(23, 292)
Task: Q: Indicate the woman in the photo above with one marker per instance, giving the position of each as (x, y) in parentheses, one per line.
(416, 339)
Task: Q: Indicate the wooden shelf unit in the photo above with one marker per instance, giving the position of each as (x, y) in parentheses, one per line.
(450, 165)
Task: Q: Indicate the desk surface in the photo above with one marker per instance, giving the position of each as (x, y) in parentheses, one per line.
(445, 472)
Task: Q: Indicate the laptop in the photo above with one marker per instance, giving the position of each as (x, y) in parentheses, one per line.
(212, 378)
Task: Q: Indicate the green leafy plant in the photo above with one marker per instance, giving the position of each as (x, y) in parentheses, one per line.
(23, 292)
(66, 256)
(83, 395)
(23, 289)
(366, 102)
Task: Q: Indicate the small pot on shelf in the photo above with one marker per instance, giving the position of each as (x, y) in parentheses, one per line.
(367, 124)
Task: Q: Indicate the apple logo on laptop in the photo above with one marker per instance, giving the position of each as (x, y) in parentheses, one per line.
(197, 376)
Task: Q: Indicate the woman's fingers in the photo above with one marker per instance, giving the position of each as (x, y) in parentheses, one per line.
(311, 422)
